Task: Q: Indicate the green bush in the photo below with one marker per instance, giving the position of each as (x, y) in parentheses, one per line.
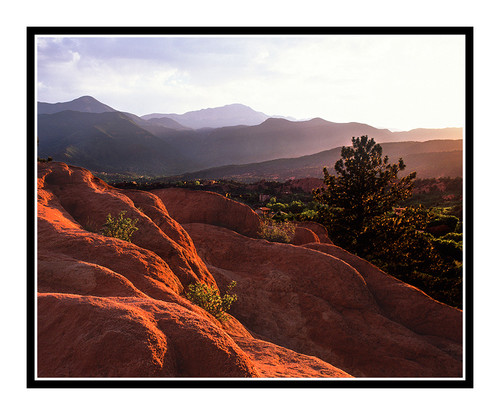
(275, 231)
(308, 215)
(277, 207)
(210, 300)
(120, 227)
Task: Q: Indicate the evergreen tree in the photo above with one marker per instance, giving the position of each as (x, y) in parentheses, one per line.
(357, 207)
(365, 188)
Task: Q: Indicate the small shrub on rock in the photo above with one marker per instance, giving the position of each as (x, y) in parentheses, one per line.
(120, 227)
(275, 231)
(210, 300)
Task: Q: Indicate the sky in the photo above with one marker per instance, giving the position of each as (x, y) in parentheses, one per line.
(399, 82)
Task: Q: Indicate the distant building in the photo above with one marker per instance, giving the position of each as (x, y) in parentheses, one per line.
(264, 198)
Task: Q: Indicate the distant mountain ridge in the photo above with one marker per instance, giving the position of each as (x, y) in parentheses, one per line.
(87, 133)
(433, 158)
(279, 138)
(228, 115)
(108, 142)
(82, 104)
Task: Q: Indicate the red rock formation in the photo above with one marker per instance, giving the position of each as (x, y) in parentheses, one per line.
(404, 303)
(303, 236)
(85, 201)
(194, 206)
(110, 308)
(306, 184)
(318, 229)
(317, 304)
(275, 361)
(84, 336)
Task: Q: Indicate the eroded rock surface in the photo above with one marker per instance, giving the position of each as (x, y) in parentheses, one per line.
(316, 303)
(111, 308)
(85, 336)
(318, 229)
(304, 236)
(194, 206)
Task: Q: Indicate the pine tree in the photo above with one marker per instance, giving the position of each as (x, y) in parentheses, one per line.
(365, 188)
(357, 207)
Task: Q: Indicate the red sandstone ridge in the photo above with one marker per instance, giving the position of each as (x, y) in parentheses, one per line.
(351, 316)
(195, 206)
(318, 229)
(110, 308)
(304, 236)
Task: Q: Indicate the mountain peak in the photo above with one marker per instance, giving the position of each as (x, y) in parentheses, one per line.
(86, 98)
(276, 121)
(85, 103)
(225, 116)
(235, 105)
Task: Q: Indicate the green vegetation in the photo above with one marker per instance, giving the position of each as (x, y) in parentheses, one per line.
(120, 227)
(296, 210)
(362, 208)
(365, 188)
(210, 300)
(275, 231)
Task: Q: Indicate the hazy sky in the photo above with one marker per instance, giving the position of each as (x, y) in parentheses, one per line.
(398, 82)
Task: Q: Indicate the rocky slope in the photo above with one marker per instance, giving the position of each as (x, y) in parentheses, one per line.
(110, 308)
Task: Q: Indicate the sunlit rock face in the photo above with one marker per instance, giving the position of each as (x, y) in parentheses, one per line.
(112, 308)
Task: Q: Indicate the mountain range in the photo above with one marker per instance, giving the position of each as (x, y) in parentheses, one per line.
(90, 134)
(233, 114)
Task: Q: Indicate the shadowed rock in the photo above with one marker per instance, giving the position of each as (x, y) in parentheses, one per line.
(404, 303)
